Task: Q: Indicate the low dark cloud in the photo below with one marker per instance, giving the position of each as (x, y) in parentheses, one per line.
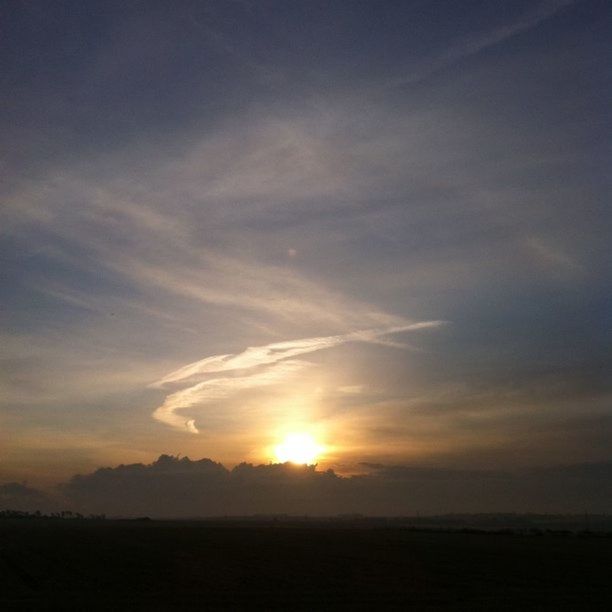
(180, 487)
(17, 496)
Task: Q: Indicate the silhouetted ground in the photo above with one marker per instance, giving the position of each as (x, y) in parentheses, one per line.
(159, 565)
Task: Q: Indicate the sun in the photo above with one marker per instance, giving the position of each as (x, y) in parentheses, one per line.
(299, 448)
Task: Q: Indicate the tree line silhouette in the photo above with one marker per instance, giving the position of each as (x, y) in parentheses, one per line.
(63, 515)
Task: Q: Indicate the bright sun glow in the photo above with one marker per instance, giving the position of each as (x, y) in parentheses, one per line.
(298, 448)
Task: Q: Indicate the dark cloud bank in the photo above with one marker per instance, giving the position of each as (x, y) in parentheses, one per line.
(180, 487)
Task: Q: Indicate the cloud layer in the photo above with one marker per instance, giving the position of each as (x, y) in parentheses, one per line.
(179, 487)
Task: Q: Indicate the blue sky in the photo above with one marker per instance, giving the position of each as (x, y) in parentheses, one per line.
(408, 197)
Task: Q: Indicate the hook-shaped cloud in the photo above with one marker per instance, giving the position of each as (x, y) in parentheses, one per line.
(278, 356)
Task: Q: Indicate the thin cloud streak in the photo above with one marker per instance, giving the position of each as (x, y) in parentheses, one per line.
(267, 355)
(271, 353)
(162, 252)
(476, 44)
(218, 389)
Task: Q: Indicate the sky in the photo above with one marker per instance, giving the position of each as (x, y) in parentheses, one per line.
(385, 224)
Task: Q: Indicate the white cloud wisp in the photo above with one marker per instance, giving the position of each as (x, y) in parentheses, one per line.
(277, 356)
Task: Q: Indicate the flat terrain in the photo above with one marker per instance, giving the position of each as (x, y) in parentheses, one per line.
(158, 565)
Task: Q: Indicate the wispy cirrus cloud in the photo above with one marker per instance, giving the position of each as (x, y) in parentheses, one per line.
(277, 356)
(479, 42)
(216, 389)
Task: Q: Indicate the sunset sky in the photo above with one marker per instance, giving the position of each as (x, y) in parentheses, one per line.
(382, 224)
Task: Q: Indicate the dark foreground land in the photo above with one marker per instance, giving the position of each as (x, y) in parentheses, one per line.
(158, 565)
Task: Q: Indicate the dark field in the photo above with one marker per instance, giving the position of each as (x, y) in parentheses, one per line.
(127, 565)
